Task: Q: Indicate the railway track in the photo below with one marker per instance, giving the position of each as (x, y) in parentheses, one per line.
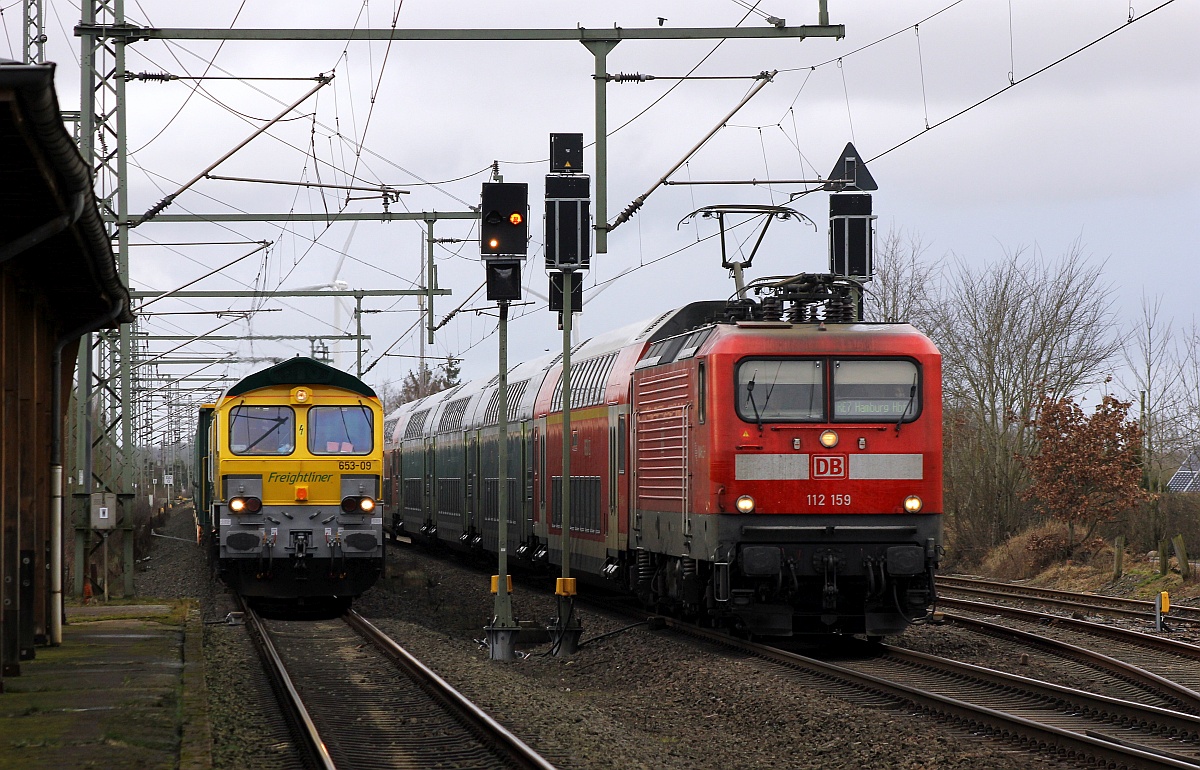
(1172, 660)
(1131, 681)
(1097, 604)
(359, 700)
(1046, 719)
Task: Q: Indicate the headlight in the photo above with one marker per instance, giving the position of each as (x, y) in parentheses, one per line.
(356, 504)
(829, 439)
(912, 504)
(245, 505)
(745, 504)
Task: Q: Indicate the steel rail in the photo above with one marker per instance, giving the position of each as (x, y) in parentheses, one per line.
(514, 749)
(298, 716)
(1175, 691)
(1147, 716)
(992, 721)
(1123, 607)
(1099, 629)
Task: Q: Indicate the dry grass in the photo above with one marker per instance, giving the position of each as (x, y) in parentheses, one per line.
(1042, 547)
(1039, 555)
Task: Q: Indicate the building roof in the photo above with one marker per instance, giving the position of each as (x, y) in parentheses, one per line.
(51, 231)
(1187, 478)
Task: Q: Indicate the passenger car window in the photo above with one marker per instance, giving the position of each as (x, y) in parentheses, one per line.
(876, 391)
(262, 430)
(341, 430)
(780, 390)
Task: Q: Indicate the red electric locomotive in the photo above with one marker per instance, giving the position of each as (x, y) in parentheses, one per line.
(760, 463)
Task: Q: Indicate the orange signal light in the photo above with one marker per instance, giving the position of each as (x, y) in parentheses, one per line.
(515, 218)
(494, 244)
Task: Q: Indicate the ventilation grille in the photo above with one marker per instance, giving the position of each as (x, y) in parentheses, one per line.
(416, 425)
(491, 499)
(412, 494)
(450, 499)
(585, 503)
(452, 417)
(589, 379)
(515, 392)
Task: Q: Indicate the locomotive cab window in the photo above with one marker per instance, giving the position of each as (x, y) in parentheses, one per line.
(262, 430)
(876, 391)
(340, 430)
(780, 390)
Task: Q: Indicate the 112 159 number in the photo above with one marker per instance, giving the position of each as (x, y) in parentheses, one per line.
(837, 499)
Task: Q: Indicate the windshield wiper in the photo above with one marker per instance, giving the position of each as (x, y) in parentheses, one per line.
(750, 396)
(279, 423)
(912, 396)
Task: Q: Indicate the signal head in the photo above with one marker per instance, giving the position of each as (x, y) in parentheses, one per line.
(503, 229)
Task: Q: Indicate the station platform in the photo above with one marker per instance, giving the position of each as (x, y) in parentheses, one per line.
(125, 690)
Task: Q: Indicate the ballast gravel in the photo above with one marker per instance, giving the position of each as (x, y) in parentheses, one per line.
(636, 699)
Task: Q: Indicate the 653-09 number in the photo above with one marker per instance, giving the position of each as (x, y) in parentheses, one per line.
(355, 465)
(829, 499)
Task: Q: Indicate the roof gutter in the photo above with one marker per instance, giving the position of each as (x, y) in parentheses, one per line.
(23, 243)
(34, 84)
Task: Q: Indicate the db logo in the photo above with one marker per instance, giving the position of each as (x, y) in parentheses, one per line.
(829, 466)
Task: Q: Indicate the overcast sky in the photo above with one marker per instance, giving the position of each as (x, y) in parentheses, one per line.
(1099, 149)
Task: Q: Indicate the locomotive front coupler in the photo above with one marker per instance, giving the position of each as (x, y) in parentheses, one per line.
(828, 562)
(267, 551)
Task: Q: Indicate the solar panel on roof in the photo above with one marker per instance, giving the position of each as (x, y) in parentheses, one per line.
(1181, 481)
(1187, 478)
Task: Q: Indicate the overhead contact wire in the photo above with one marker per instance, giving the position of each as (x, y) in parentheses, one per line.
(1019, 81)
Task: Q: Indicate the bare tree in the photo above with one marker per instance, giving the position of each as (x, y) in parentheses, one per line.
(1156, 380)
(1010, 332)
(905, 285)
(1190, 384)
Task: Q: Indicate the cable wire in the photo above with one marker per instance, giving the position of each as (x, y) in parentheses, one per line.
(1019, 81)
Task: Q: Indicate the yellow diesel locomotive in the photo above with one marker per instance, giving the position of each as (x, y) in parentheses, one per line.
(289, 465)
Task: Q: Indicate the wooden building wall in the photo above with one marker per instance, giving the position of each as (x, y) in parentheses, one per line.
(27, 339)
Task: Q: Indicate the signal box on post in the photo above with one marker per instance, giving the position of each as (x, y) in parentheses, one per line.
(556, 293)
(568, 222)
(503, 215)
(851, 235)
(566, 153)
(503, 279)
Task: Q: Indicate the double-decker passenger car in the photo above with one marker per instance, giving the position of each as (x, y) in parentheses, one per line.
(764, 463)
(289, 465)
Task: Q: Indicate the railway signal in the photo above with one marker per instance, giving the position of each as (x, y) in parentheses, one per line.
(503, 243)
(568, 221)
(504, 226)
(851, 223)
(568, 250)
